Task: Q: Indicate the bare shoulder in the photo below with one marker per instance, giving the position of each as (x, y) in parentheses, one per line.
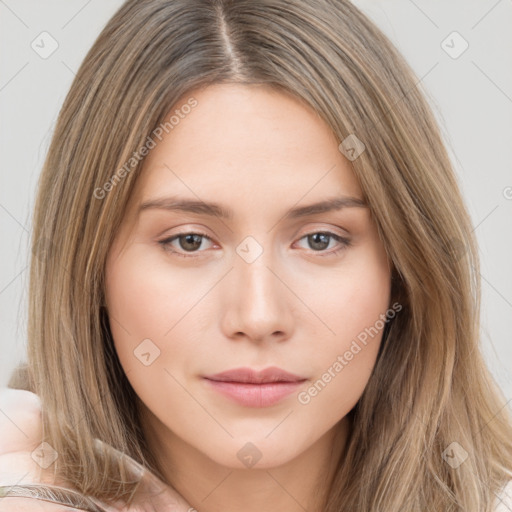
(21, 435)
(20, 421)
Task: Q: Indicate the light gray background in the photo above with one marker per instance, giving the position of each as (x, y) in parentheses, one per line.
(471, 96)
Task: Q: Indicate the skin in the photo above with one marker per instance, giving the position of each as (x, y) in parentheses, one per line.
(297, 306)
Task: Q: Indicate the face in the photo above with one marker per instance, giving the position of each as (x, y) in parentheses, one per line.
(258, 281)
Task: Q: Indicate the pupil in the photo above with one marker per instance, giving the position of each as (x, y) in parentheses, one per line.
(314, 240)
(317, 241)
(194, 240)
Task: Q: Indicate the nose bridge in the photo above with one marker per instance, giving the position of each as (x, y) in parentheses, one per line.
(258, 301)
(257, 284)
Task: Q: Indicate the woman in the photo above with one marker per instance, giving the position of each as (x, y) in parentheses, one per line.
(248, 279)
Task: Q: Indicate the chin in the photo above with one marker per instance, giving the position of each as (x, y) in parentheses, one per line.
(258, 453)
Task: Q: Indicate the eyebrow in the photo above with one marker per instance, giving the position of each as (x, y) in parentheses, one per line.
(217, 210)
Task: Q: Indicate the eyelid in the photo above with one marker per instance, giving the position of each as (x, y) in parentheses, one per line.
(345, 242)
(165, 242)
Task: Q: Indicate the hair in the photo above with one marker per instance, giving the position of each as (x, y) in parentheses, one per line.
(430, 386)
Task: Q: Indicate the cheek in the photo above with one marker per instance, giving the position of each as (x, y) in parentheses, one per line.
(144, 294)
(142, 308)
(153, 311)
(354, 309)
(356, 295)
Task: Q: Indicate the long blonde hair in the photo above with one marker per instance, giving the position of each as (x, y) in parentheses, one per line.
(430, 395)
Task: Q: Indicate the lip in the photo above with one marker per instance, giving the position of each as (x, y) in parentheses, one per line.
(248, 375)
(253, 388)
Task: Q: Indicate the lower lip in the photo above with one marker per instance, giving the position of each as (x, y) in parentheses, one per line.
(255, 395)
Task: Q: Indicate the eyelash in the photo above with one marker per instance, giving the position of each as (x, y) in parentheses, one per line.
(345, 242)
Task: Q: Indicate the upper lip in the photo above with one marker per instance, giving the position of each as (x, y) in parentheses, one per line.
(248, 375)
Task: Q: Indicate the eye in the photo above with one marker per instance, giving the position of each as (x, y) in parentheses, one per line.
(188, 242)
(191, 243)
(320, 240)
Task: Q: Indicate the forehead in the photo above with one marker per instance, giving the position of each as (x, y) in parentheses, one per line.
(247, 142)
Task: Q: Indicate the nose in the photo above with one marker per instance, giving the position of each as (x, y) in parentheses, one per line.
(257, 302)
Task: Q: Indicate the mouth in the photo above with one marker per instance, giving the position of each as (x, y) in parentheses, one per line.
(252, 388)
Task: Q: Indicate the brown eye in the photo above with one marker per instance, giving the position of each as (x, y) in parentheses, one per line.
(190, 242)
(187, 242)
(320, 240)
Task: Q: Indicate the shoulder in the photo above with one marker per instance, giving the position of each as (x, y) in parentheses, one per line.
(504, 501)
(21, 434)
(20, 438)
(20, 420)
